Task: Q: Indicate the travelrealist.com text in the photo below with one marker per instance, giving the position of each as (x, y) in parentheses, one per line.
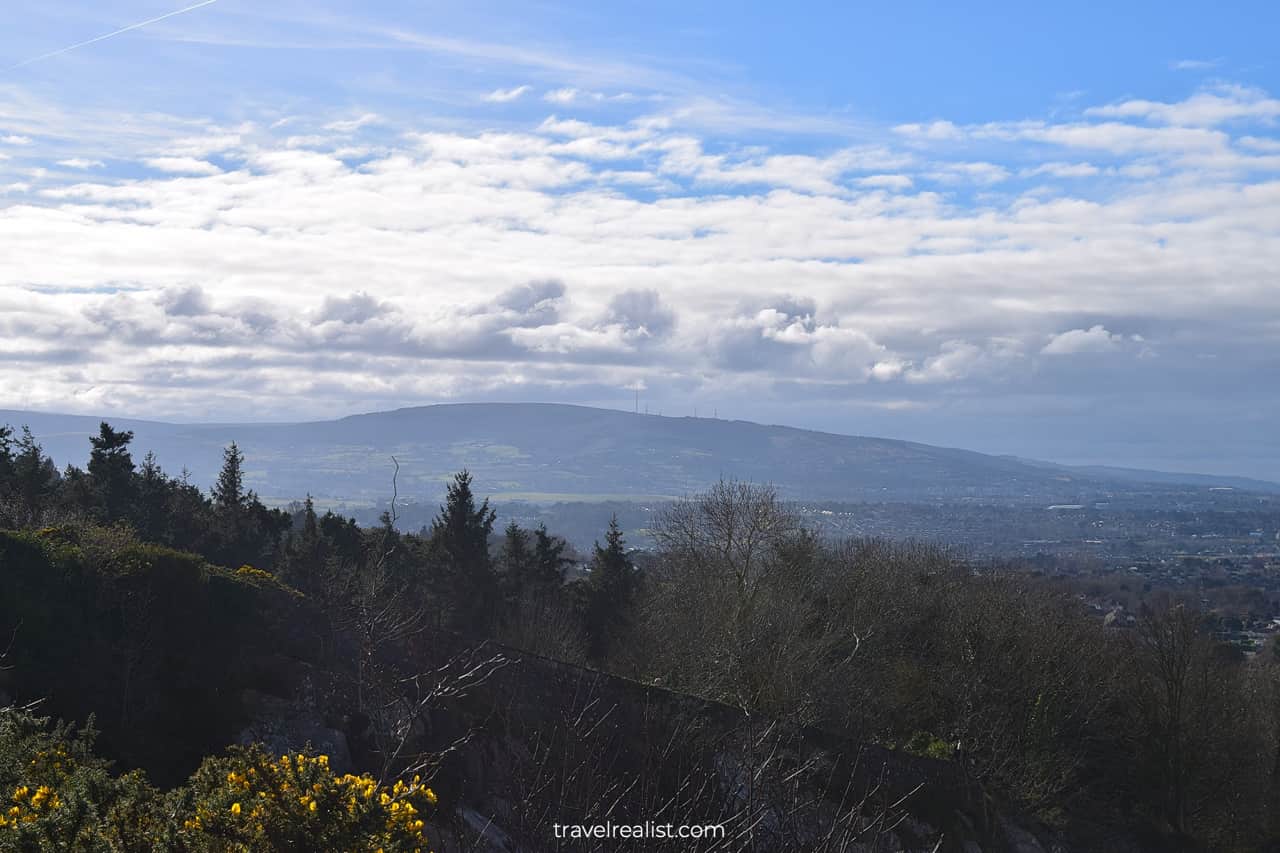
(648, 829)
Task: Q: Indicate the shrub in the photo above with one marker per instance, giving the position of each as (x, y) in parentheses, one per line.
(250, 801)
(55, 793)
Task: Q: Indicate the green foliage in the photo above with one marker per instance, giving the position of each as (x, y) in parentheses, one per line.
(531, 563)
(29, 480)
(608, 593)
(56, 794)
(233, 528)
(148, 638)
(250, 801)
(111, 472)
(228, 492)
(928, 745)
(549, 560)
(459, 542)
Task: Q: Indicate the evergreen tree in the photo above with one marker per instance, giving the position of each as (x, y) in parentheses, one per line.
(516, 562)
(151, 499)
(610, 588)
(76, 493)
(111, 472)
(549, 561)
(228, 492)
(460, 541)
(305, 553)
(35, 478)
(310, 524)
(247, 531)
(343, 536)
(611, 571)
(6, 458)
(189, 522)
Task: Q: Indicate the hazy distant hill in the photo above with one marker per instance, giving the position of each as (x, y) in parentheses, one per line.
(559, 452)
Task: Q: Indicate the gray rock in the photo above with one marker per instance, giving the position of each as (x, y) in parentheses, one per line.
(1019, 840)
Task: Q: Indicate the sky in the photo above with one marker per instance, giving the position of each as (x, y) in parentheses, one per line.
(1042, 229)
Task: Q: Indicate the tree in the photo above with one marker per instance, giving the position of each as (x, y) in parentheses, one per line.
(515, 562)
(549, 561)
(111, 472)
(459, 539)
(611, 586)
(611, 571)
(189, 521)
(1184, 692)
(246, 530)
(33, 479)
(228, 492)
(6, 456)
(151, 500)
(306, 552)
(745, 606)
(531, 563)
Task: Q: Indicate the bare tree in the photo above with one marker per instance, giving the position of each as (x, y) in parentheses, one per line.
(741, 604)
(1184, 688)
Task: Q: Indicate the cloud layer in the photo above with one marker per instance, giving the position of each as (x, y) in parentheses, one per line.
(322, 264)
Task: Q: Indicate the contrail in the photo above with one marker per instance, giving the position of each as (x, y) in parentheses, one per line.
(97, 39)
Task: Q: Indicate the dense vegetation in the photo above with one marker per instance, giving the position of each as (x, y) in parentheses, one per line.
(64, 797)
(117, 607)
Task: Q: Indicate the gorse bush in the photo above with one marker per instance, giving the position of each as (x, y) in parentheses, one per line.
(58, 795)
(250, 801)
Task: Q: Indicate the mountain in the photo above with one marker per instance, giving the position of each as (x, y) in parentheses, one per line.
(551, 452)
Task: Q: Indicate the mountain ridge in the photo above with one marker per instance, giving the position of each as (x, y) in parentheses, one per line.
(553, 451)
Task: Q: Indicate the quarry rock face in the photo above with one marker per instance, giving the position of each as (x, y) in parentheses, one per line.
(543, 741)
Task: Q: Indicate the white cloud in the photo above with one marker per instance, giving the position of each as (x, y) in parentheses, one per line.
(935, 131)
(561, 96)
(1271, 146)
(1195, 64)
(183, 165)
(1064, 170)
(572, 255)
(570, 95)
(1095, 339)
(954, 361)
(1203, 109)
(81, 163)
(354, 124)
(15, 139)
(976, 173)
(503, 96)
(891, 182)
(213, 142)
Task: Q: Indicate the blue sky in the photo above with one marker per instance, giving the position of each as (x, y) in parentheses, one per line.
(1042, 229)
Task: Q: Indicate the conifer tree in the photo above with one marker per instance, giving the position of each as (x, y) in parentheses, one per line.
(516, 561)
(610, 588)
(611, 571)
(228, 492)
(35, 478)
(6, 457)
(549, 561)
(460, 540)
(111, 472)
(152, 498)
